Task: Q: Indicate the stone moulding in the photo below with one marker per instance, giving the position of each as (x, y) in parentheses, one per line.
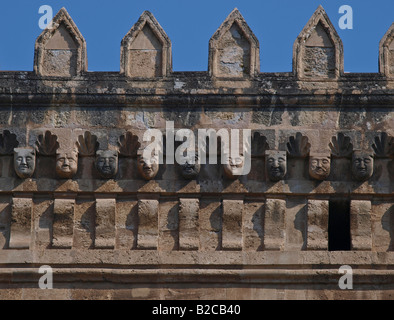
(146, 50)
(386, 53)
(318, 50)
(60, 50)
(234, 50)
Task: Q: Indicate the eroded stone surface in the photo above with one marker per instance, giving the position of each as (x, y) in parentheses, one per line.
(360, 224)
(21, 223)
(317, 228)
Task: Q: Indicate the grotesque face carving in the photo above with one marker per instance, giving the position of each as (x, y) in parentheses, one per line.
(233, 166)
(107, 163)
(275, 162)
(66, 163)
(362, 165)
(148, 167)
(24, 162)
(191, 168)
(319, 166)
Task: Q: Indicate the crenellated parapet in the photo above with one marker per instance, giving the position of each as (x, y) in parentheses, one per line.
(60, 51)
(234, 50)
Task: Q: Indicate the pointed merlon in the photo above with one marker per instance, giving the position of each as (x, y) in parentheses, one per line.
(386, 53)
(318, 50)
(146, 50)
(60, 50)
(234, 50)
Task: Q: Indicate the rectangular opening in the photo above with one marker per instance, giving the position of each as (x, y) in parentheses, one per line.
(339, 225)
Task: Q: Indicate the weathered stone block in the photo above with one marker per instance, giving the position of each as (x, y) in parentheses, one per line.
(233, 49)
(188, 223)
(63, 223)
(60, 51)
(318, 50)
(232, 224)
(5, 221)
(360, 224)
(317, 229)
(126, 223)
(105, 222)
(21, 223)
(253, 225)
(274, 224)
(168, 225)
(146, 50)
(84, 223)
(210, 221)
(60, 63)
(148, 216)
(42, 222)
(296, 224)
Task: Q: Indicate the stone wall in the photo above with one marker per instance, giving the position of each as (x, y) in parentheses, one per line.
(73, 195)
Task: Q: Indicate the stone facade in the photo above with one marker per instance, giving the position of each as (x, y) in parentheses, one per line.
(319, 194)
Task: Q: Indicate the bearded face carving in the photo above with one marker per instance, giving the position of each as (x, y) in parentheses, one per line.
(233, 166)
(66, 163)
(319, 166)
(24, 162)
(107, 163)
(191, 168)
(276, 164)
(148, 167)
(362, 165)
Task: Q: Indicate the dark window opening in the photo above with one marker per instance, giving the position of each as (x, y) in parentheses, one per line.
(339, 225)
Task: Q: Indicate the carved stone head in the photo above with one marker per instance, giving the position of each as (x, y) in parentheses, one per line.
(107, 163)
(233, 166)
(66, 163)
(319, 166)
(362, 165)
(191, 168)
(275, 163)
(148, 167)
(24, 162)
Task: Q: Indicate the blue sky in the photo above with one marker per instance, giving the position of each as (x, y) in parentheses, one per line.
(190, 25)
